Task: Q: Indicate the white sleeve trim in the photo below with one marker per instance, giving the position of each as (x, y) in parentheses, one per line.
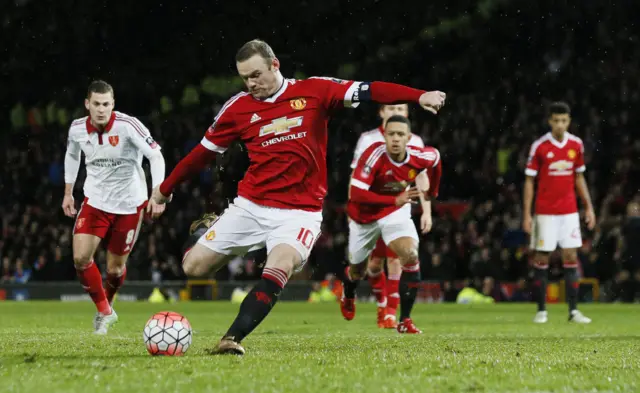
(530, 172)
(437, 160)
(360, 184)
(349, 96)
(212, 146)
(581, 169)
(357, 153)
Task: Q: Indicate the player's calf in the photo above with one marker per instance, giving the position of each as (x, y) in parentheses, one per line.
(87, 271)
(407, 250)
(281, 262)
(541, 277)
(393, 286)
(116, 274)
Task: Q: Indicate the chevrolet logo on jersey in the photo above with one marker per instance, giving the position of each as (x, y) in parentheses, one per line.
(394, 187)
(561, 165)
(281, 126)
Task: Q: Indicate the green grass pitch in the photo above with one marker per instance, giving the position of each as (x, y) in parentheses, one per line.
(48, 347)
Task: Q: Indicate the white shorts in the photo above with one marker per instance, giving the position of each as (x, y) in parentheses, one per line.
(549, 231)
(363, 237)
(246, 226)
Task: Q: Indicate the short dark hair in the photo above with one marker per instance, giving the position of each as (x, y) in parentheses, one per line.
(559, 108)
(100, 87)
(255, 47)
(398, 119)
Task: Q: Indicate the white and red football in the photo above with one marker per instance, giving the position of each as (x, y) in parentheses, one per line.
(167, 333)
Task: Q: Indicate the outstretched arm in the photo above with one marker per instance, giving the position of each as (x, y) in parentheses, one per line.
(193, 163)
(392, 93)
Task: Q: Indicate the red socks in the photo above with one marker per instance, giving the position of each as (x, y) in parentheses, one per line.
(113, 284)
(393, 296)
(378, 283)
(91, 281)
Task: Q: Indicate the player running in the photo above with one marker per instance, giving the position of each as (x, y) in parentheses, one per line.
(384, 288)
(283, 123)
(557, 159)
(378, 195)
(115, 193)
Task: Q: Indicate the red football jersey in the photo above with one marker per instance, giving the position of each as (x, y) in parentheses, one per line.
(555, 164)
(286, 137)
(378, 173)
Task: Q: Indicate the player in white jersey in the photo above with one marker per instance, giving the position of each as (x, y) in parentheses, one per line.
(385, 288)
(115, 193)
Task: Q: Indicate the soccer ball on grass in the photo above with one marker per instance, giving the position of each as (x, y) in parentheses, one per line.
(168, 334)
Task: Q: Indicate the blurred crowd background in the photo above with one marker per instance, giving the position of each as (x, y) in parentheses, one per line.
(500, 62)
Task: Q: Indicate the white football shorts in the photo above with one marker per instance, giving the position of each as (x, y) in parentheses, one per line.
(549, 231)
(363, 237)
(246, 226)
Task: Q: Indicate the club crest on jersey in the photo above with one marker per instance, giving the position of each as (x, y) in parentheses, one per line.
(210, 235)
(113, 140)
(412, 174)
(550, 154)
(298, 104)
(571, 154)
(366, 171)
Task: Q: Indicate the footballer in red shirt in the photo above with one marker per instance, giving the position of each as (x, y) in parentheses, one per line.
(283, 124)
(379, 192)
(383, 287)
(557, 160)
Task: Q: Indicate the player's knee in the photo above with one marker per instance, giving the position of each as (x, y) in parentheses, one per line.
(192, 268)
(81, 261)
(375, 265)
(570, 256)
(287, 265)
(541, 259)
(409, 255)
(357, 271)
(285, 258)
(115, 269)
(116, 263)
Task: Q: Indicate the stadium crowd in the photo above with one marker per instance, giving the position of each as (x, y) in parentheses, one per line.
(496, 108)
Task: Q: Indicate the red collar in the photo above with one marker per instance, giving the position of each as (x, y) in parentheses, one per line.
(91, 128)
(381, 129)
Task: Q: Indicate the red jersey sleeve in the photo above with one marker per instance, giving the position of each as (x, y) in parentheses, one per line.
(364, 172)
(533, 162)
(338, 93)
(579, 165)
(224, 129)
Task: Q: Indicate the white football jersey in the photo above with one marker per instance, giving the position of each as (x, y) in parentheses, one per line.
(115, 180)
(377, 135)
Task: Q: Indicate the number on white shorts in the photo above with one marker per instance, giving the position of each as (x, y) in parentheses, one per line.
(305, 237)
(130, 236)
